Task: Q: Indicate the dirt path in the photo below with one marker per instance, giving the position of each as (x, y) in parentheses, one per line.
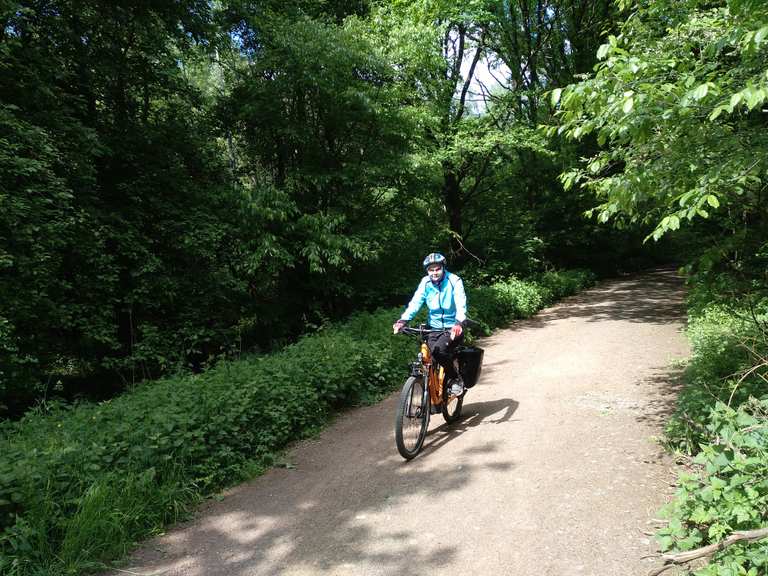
(552, 471)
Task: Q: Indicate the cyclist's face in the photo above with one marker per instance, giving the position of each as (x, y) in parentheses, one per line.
(435, 272)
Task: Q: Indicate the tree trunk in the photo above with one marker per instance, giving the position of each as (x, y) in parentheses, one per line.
(451, 194)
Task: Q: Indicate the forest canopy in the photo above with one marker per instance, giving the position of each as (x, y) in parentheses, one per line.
(185, 181)
(189, 180)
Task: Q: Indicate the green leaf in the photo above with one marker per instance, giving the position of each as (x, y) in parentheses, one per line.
(753, 96)
(629, 103)
(700, 92)
(555, 97)
(761, 35)
(665, 543)
(602, 52)
(713, 201)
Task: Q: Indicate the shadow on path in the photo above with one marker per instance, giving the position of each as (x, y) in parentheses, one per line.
(473, 415)
(661, 301)
(665, 385)
(259, 530)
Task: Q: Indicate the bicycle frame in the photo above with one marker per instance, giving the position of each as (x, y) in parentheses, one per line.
(435, 376)
(432, 371)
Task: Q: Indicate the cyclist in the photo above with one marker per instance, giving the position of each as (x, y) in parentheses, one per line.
(446, 301)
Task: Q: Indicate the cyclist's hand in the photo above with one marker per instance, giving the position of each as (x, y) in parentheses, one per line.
(397, 326)
(456, 331)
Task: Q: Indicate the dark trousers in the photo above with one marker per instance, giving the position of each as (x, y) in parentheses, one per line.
(441, 346)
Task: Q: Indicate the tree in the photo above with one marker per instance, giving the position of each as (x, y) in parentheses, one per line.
(319, 134)
(436, 49)
(675, 105)
(112, 192)
(545, 44)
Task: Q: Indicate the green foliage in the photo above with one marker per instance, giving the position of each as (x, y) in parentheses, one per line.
(36, 221)
(675, 106)
(724, 343)
(274, 166)
(727, 492)
(112, 193)
(561, 284)
(509, 300)
(318, 144)
(650, 99)
(79, 485)
(722, 418)
(474, 141)
(148, 176)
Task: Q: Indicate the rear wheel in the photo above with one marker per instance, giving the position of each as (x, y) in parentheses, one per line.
(452, 405)
(412, 417)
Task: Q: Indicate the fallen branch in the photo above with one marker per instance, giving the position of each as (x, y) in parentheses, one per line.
(672, 560)
(159, 573)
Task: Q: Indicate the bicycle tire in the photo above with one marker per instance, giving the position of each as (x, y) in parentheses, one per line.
(412, 418)
(452, 406)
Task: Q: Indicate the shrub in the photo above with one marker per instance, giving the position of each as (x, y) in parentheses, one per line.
(719, 356)
(727, 492)
(722, 418)
(562, 284)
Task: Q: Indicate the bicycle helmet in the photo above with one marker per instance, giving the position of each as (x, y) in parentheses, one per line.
(434, 258)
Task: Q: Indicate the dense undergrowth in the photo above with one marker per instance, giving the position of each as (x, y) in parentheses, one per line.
(722, 422)
(80, 485)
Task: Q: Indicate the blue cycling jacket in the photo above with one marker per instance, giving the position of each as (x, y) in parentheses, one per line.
(447, 302)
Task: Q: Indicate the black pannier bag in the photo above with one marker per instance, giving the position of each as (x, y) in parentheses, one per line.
(470, 364)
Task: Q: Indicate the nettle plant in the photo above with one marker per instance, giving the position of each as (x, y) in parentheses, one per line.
(729, 493)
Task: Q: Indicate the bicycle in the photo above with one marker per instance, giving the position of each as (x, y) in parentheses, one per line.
(418, 401)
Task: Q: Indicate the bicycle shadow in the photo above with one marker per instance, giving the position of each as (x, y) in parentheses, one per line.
(473, 415)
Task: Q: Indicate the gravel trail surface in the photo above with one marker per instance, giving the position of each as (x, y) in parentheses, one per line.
(553, 469)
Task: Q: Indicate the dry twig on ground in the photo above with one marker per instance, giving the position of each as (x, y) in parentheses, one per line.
(672, 560)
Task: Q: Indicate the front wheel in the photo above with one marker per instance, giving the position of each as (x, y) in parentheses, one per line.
(412, 417)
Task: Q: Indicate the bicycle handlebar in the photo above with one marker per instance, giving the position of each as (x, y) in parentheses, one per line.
(419, 331)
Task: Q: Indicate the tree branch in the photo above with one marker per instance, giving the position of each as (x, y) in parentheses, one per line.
(459, 55)
(479, 178)
(672, 560)
(468, 81)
